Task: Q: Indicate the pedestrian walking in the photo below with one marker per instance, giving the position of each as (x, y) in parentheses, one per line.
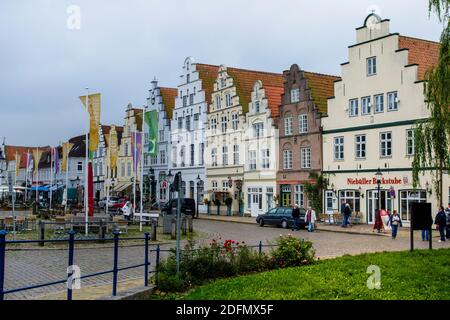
(296, 217)
(395, 222)
(347, 213)
(441, 222)
(311, 219)
(378, 222)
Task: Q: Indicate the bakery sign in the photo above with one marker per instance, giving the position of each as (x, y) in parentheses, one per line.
(373, 181)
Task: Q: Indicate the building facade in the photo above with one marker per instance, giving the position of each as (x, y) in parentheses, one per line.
(303, 104)
(156, 166)
(188, 127)
(371, 120)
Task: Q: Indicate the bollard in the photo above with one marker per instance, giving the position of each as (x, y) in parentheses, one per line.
(154, 226)
(41, 234)
(102, 231)
(191, 224)
(2, 262)
(183, 226)
(116, 258)
(146, 260)
(260, 247)
(173, 233)
(70, 263)
(157, 265)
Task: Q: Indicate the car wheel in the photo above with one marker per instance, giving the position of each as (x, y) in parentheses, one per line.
(284, 224)
(261, 222)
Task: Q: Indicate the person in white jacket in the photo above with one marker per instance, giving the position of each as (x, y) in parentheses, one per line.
(311, 219)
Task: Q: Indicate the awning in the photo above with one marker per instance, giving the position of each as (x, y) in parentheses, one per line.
(40, 188)
(122, 186)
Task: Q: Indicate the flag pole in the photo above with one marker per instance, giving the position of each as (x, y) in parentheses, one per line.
(51, 177)
(86, 164)
(67, 179)
(26, 175)
(134, 171)
(37, 176)
(108, 171)
(141, 182)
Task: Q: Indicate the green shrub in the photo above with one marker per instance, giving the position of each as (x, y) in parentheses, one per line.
(171, 283)
(292, 252)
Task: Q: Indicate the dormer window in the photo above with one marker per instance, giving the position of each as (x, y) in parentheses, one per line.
(371, 66)
(295, 95)
(257, 107)
(188, 78)
(223, 82)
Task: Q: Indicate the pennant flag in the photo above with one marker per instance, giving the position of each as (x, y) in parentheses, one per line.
(18, 158)
(56, 159)
(151, 119)
(136, 152)
(66, 147)
(94, 122)
(29, 167)
(113, 148)
(36, 158)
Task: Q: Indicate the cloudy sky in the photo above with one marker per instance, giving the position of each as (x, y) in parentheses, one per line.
(122, 45)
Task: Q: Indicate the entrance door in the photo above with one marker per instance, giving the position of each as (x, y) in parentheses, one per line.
(286, 200)
(372, 204)
(329, 197)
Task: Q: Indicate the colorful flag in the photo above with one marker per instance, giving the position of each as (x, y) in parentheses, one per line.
(29, 162)
(18, 158)
(36, 158)
(66, 147)
(113, 148)
(56, 159)
(94, 102)
(136, 148)
(151, 119)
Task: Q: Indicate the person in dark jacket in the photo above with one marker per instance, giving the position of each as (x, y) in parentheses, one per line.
(296, 217)
(447, 213)
(395, 222)
(441, 222)
(347, 213)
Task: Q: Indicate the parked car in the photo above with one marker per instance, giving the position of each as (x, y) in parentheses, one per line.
(112, 201)
(187, 207)
(281, 217)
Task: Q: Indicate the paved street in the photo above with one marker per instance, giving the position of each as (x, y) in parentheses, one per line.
(25, 267)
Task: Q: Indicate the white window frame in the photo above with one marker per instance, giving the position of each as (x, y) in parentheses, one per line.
(252, 160)
(392, 101)
(214, 157)
(305, 158)
(265, 158)
(410, 142)
(386, 144)
(338, 148)
(365, 105)
(287, 159)
(360, 146)
(379, 103)
(303, 123)
(299, 195)
(353, 106)
(234, 121)
(371, 66)
(295, 95)
(235, 154)
(288, 126)
(225, 155)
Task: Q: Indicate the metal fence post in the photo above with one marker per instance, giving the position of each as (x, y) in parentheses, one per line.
(260, 247)
(157, 264)
(70, 263)
(116, 258)
(146, 260)
(2, 262)
(41, 232)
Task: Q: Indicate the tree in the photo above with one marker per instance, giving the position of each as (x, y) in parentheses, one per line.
(314, 191)
(432, 137)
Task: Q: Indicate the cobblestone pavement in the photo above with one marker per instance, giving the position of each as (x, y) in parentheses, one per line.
(26, 267)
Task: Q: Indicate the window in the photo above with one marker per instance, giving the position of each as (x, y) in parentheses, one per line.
(128, 169)
(162, 155)
(371, 66)
(339, 148)
(365, 105)
(379, 103)
(191, 99)
(125, 149)
(225, 155)
(80, 166)
(407, 198)
(192, 155)
(234, 121)
(254, 198)
(353, 104)
(188, 123)
(174, 157)
(303, 123)
(235, 154)
(223, 82)
(295, 95)
(299, 195)
(252, 160)
(182, 155)
(95, 169)
(257, 107)
(225, 185)
(224, 124)
(202, 154)
(409, 142)
(214, 157)
(154, 160)
(305, 158)
(392, 101)
(265, 158)
(258, 129)
(214, 185)
(287, 159)
(188, 77)
(218, 100)
(352, 198)
(191, 189)
(288, 126)
(386, 144)
(185, 101)
(228, 99)
(145, 139)
(360, 146)
(213, 125)
(161, 135)
(180, 123)
(122, 169)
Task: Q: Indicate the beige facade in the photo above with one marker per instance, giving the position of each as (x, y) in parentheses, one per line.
(370, 123)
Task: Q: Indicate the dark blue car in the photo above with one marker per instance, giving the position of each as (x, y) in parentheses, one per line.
(281, 217)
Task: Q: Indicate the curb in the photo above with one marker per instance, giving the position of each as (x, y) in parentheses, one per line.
(138, 293)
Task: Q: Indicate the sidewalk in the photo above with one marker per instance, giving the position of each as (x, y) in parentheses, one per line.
(363, 229)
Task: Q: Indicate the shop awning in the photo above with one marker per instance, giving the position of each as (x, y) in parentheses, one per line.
(122, 186)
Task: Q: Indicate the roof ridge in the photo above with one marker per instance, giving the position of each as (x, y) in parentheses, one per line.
(170, 88)
(322, 74)
(256, 71)
(420, 39)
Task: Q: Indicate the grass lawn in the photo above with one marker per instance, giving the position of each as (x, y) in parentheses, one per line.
(420, 275)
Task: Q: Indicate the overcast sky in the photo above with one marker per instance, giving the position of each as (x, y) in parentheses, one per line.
(121, 45)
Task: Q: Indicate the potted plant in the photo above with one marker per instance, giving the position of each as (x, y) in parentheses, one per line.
(208, 204)
(217, 203)
(229, 202)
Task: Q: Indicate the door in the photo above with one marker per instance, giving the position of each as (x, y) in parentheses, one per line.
(329, 198)
(285, 199)
(372, 205)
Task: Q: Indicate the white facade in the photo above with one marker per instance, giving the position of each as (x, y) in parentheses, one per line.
(370, 122)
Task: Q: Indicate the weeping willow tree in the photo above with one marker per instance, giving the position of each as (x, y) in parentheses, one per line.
(432, 137)
(314, 190)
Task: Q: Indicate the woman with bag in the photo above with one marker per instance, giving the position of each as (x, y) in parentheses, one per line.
(395, 222)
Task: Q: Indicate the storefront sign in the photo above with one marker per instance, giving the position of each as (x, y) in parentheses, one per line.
(373, 181)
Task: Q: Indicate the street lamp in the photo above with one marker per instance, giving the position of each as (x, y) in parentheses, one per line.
(378, 174)
(170, 180)
(2, 168)
(198, 185)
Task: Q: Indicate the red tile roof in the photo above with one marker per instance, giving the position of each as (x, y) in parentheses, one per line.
(273, 95)
(244, 80)
(10, 153)
(322, 87)
(208, 74)
(425, 53)
(168, 97)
